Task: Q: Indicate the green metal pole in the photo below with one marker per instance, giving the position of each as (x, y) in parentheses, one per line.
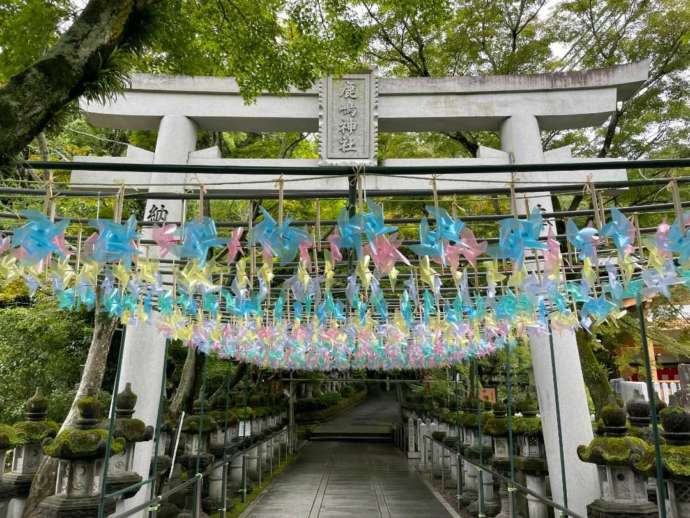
(158, 425)
(111, 427)
(224, 490)
(558, 421)
(480, 441)
(458, 461)
(509, 415)
(660, 486)
(202, 402)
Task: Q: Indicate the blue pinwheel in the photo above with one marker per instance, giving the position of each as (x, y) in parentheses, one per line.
(447, 227)
(281, 240)
(374, 224)
(429, 242)
(39, 237)
(620, 230)
(661, 281)
(350, 229)
(595, 310)
(679, 241)
(585, 240)
(115, 242)
(198, 237)
(517, 235)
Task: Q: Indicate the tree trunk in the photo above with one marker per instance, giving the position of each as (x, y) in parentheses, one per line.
(31, 98)
(595, 374)
(186, 385)
(43, 484)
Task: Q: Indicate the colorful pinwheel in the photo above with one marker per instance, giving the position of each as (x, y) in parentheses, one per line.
(165, 237)
(621, 231)
(39, 237)
(585, 240)
(115, 242)
(198, 237)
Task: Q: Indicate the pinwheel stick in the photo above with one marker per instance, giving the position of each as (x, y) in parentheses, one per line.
(677, 205)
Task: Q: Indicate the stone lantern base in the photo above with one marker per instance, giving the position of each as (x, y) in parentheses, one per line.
(121, 480)
(603, 509)
(73, 507)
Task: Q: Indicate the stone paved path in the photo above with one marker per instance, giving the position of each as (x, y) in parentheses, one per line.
(350, 479)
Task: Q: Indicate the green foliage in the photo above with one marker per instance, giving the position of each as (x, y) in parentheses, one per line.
(38, 338)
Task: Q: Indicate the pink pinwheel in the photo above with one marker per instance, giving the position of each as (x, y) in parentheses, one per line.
(334, 242)
(89, 244)
(469, 247)
(385, 253)
(304, 247)
(165, 237)
(60, 242)
(552, 255)
(661, 238)
(234, 245)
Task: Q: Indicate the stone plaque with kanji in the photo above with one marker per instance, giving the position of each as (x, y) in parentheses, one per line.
(347, 122)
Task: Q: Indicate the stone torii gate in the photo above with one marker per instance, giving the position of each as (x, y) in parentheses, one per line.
(347, 112)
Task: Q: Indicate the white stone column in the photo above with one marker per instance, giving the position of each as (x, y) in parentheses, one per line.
(143, 359)
(521, 137)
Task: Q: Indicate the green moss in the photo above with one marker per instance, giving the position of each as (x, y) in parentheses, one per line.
(194, 423)
(533, 465)
(676, 460)
(497, 426)
(35, 431)
(243, 413)
(220, 417)
(472, 419)
(82, 444)
(8, 437)
(89, 407)
(614, 450)
(527, 425)
(613, 416)
(132, 430)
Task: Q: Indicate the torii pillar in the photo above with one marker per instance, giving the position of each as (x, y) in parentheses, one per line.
(520, 136)
(143, 357)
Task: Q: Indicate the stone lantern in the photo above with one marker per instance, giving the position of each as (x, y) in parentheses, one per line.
(639, 416)
(27, 452)
(80, 451)
(497, 428)
(132, 431)
(481, 451)
(223, 441)
(622, 485)
(196, 433)
(676, 460)
(531, 459)
(468, 427)
(8, 439)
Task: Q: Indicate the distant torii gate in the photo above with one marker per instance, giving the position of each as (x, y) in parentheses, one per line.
(347, 112)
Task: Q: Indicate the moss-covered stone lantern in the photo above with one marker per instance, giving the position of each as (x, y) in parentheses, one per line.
(639, 417)
(676, 459)
(196, 432)
(622, 479)
(531, 459)
(80, 451)
(29, 435)
(481, 452)
(497, 428)
(467, 418)
(132, 431)
(8, 440)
